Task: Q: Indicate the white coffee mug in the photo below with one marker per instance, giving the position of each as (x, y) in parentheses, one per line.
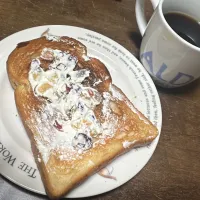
(169, 59)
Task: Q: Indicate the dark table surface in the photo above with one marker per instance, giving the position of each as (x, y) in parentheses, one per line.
(174, 169)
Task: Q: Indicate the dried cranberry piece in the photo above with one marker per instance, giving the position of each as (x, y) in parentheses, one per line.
(91, 93)
(68, 89)
(58, 126)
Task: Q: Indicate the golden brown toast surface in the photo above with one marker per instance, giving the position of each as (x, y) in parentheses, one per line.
(66, 166)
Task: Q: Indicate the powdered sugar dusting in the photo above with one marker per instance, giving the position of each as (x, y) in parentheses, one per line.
(52, 37)
(69, 115)
(110, 123)
(116, 93)
(97, 82)
(127, 144)
(67, 123)
(121, 97)
(106, 108)
(86, 58)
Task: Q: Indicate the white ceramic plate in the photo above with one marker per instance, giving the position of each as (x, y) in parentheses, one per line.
(17, 163)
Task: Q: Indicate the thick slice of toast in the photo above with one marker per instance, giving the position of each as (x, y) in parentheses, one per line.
(77, 130)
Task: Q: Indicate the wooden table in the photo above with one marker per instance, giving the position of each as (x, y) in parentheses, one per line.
(174, 170)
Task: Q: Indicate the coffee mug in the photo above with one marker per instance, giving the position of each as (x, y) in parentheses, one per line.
(170, 60)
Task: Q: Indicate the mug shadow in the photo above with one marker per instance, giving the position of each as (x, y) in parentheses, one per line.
(136, 38)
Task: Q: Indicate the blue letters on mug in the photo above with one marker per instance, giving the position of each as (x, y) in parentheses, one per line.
(148, 56)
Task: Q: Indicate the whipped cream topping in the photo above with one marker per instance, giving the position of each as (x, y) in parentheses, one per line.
(70, 105)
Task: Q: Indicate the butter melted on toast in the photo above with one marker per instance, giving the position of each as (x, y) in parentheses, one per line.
(77, 120)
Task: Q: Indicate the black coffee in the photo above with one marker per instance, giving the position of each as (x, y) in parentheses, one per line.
(185, 26)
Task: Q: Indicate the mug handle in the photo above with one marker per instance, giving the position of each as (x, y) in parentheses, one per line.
(140, 15)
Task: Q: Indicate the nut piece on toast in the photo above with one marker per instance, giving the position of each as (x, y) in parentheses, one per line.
(77, 120)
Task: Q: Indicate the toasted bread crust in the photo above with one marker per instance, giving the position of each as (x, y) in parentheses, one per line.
(60, 176)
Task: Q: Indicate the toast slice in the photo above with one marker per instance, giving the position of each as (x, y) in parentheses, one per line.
(76, 119)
